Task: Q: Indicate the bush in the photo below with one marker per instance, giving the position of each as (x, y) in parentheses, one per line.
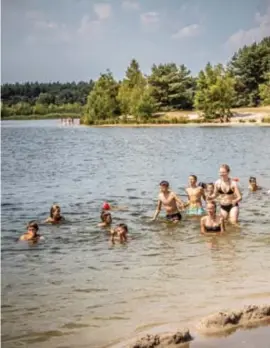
(242, 121)
(252, 120)
(266, 119)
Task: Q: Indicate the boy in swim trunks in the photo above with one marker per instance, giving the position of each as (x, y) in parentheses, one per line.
(195, 194)
(172, 204)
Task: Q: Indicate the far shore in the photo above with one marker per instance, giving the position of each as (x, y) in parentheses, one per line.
(143, 125)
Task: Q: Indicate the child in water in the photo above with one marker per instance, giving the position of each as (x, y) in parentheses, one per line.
(55, 215)
(209, 191)
(120, 233)
(32, 232)
(106, 219)
(252, 184)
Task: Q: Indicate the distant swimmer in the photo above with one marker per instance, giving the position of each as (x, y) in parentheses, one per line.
(119, 233)
(106, 219)
(212, 223)
(229, 194)
(55, 215)
(252, 184)
(195, 195)
(171, 203)
(32, 233)
(108, 206)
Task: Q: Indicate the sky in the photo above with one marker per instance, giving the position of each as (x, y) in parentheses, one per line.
(76, 40)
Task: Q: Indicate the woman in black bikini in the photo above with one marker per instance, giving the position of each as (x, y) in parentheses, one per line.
(212, 223)
(229, 194)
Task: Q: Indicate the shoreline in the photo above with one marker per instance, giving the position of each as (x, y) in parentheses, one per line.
(148, 125)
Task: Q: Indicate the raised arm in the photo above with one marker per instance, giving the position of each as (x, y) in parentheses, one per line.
(159, 205)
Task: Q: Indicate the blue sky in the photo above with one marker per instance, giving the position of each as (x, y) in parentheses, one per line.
(73, 40)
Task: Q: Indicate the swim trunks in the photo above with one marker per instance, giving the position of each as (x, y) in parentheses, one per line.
(195, 211)
(174, 217)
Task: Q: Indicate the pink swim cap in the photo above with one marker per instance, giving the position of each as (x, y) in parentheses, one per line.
(106, 206)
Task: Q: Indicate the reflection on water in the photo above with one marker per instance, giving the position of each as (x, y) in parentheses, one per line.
(77, 290)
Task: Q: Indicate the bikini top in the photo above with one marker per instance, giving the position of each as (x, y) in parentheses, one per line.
(230, 192)
(213, 228)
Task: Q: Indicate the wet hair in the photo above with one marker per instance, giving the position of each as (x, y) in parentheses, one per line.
(252, 179)
(202, 184)
(226, 167)
(103, 215)
(33, 224)
(124, 226)
(194, 177)
(164, 183)
(53, 208)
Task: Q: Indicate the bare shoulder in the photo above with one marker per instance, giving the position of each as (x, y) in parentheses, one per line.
(203, 219)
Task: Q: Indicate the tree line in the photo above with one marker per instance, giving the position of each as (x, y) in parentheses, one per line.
(245, 81)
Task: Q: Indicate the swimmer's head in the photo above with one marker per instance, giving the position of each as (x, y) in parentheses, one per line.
(202, 185)
(210, 187)
(106, 217)
(192, 179)
(55, 212)
(224, 171)
(122, 229)
(164, 186)
(252, 180)
(32, 227)
(211, 208)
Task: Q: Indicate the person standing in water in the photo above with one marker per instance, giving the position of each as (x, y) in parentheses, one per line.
(229, 194)
(212, 223)
(172, 204)
(195, 194)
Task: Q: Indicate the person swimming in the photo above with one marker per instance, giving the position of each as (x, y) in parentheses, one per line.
(229, 194)
(252, 184)
(212, 223)
(120, 233)
(195, 194)
(55, 215)
(171, 203)
(106, 219)
(32, 232)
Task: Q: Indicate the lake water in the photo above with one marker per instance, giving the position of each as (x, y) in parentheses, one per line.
(75, 289)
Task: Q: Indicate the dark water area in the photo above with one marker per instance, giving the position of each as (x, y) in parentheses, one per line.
(75, 289)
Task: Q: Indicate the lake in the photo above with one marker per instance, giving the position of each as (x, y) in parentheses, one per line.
(75, 289)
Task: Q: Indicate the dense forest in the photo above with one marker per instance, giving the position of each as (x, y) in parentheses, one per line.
(245, 81)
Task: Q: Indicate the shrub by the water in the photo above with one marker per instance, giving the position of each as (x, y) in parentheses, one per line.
(266, 119)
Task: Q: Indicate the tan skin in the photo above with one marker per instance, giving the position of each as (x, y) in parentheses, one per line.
(195, 193)
(169, 200)
(252, 186)
(119, 233)
(107, 221)
(56, 217)
(209, 192)
(226, 183)
(30, 235)
(212, 220)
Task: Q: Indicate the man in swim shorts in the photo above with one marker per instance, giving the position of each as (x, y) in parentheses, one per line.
(172, 204)
(195, 194)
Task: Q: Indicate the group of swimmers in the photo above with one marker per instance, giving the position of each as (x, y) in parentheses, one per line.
(225, 191)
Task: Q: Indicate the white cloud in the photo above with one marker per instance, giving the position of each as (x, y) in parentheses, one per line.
(188, 31)
(103, 10)
(149, 18)
(88, 27)
(130, 5)
(256, 33)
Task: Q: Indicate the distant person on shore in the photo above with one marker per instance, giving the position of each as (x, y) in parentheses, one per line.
(211, 223)
(229, 194)
(32, 233)
(55, 215)
(195, 195)
(172, 204)
(106, 219)
(252, 184)
(119, 233)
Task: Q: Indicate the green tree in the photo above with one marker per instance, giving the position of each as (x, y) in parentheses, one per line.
(102, 102)
(172, 85)
(143, 104)
(215, 92)
(249, 66)
(264, 90)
